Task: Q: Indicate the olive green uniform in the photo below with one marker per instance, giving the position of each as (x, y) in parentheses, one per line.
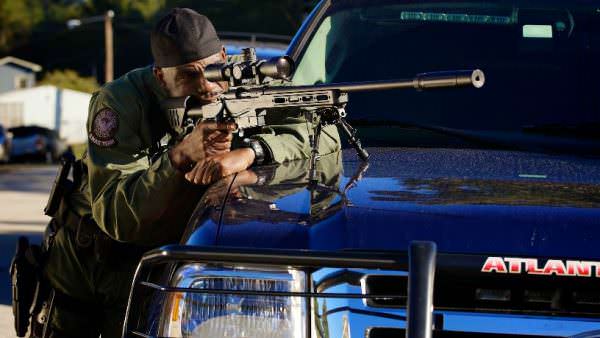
(135, 196)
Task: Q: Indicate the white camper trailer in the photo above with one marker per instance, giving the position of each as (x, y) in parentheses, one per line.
(63, 110)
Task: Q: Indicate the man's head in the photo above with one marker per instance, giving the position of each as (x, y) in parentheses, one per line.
(183, 44)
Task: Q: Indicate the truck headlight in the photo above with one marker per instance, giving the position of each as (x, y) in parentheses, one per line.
(238, 302)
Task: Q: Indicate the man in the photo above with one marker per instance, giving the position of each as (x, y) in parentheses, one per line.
(139, 183)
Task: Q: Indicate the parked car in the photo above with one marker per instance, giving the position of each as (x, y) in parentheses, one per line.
(505, 179)
(266, 45)
(261, 52)
(37, 143)
(5, 140)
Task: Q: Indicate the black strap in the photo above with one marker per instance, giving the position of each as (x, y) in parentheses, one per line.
(158, 122)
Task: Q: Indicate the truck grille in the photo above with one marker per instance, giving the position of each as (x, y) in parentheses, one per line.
(394, 333)
(495, 293)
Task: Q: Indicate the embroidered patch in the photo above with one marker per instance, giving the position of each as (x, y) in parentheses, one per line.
(104, 128)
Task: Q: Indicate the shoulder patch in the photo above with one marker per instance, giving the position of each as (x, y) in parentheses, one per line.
(104, 128)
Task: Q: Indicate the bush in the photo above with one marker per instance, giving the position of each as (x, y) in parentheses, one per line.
(70, 79)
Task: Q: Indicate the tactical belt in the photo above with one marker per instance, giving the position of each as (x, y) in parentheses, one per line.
(89, 237)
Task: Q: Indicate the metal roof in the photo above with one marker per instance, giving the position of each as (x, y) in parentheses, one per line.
(22, 63)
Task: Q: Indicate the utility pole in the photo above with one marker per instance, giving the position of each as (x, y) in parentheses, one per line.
(108, 47)
(108, 39)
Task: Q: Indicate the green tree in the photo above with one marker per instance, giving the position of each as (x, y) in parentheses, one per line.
(62, 10)
(70, 79)
(17, 20)
(144, 9)
(265, 16)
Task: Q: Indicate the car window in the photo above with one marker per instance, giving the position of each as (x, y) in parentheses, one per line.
(22, 132)
(541, 64)
(30, 131)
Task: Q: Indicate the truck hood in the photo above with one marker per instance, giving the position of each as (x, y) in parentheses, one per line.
(467, 201)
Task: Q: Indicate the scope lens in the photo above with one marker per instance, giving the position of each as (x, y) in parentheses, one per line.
(280, 67)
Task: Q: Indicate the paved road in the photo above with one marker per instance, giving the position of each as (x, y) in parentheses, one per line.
(23, 194)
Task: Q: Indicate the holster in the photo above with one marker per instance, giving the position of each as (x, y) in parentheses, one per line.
(31, 293)
(29, 289)
(41, 311)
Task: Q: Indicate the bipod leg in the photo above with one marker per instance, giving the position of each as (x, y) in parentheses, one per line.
(314, 155)
(350, 133)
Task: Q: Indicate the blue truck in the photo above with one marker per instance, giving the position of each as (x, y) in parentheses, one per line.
(505, 180)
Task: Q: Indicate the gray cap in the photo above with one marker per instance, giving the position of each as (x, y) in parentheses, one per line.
(183, 36)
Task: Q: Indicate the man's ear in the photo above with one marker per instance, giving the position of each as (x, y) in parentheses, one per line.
(160, 76)
(223, 54)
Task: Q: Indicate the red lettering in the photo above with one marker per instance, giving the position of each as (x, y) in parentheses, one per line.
(494, 264)
(578, 268)
(554, 266)
(531, 265)
(514, 264)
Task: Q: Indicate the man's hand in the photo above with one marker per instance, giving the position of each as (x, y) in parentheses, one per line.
(214, 168)
(206, 140)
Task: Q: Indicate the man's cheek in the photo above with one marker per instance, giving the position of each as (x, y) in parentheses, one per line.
(224, 85)
(188, 89)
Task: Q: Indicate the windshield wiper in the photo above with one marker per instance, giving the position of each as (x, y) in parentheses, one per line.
(585, 144)
(475, 138)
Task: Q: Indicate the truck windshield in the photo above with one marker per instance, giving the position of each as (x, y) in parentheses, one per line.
(542, 66)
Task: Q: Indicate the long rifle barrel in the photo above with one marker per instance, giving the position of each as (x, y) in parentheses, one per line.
(423, 81)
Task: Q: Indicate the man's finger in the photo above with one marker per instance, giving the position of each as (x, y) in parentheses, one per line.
(199, 178)
(216, 152)
(220, 146)
(214, 173)
(221, 126)
(210, 172)
(223, 137)
(205, 178)
(191, 174)
(227, 127)
(218, 136)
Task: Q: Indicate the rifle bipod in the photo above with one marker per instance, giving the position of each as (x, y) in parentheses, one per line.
(327, 116)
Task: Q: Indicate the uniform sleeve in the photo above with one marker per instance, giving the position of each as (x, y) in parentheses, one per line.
(287, 138)
(128, 194)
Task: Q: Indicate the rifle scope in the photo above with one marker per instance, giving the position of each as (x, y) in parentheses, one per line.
(250, 70)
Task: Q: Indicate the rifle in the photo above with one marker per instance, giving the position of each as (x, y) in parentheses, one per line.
(250, 97)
